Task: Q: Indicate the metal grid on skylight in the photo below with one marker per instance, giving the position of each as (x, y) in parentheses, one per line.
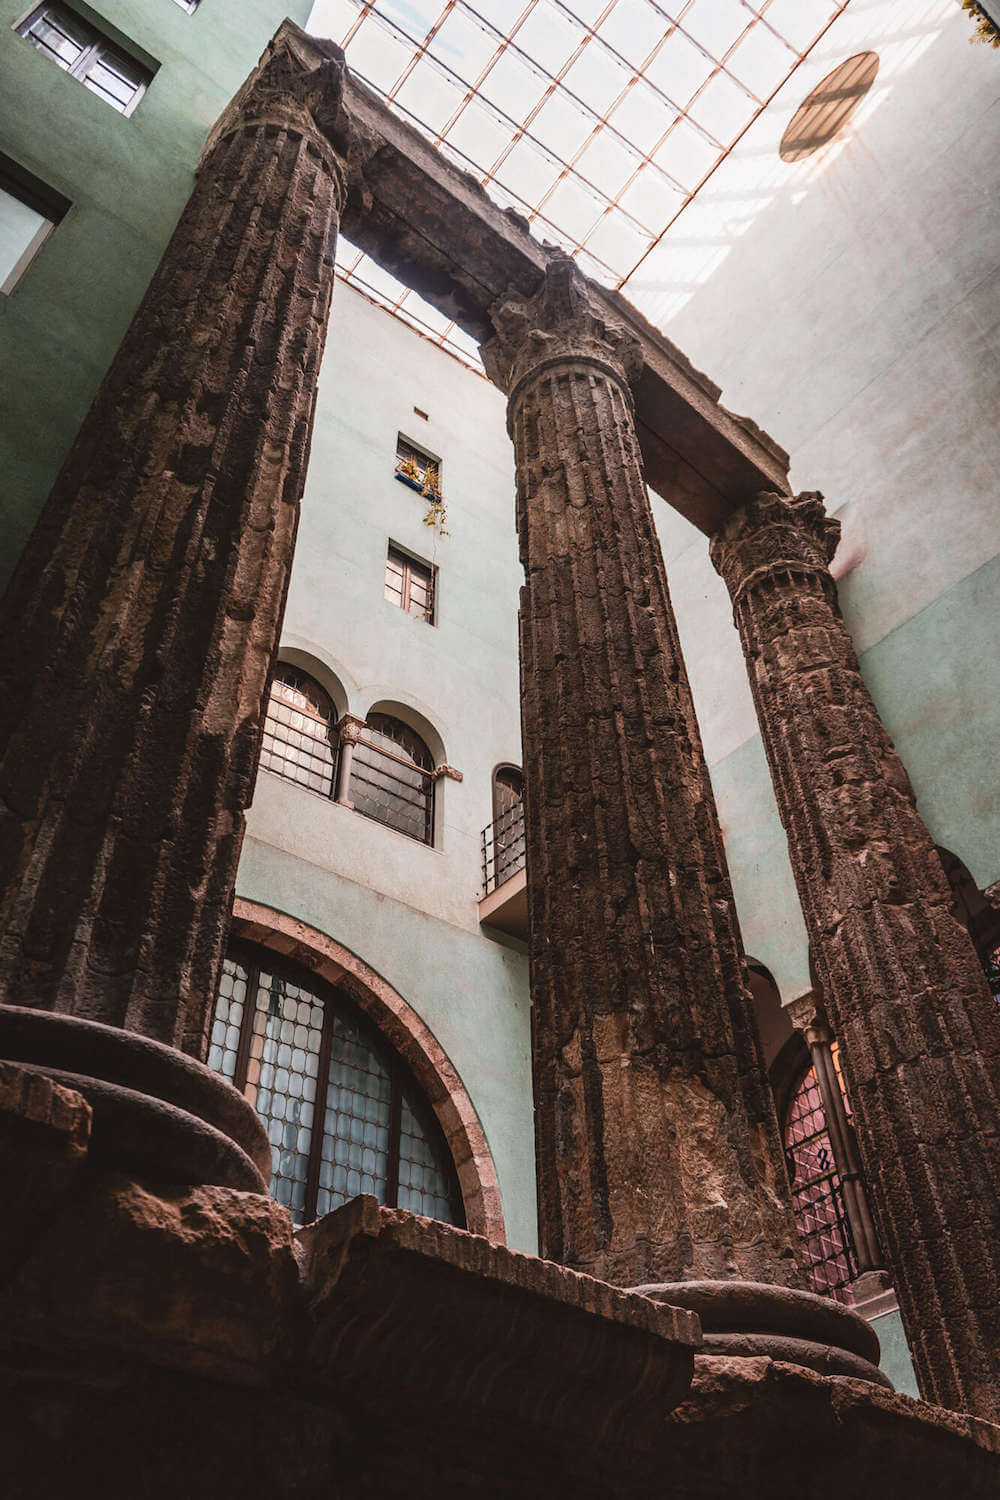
(598, 120)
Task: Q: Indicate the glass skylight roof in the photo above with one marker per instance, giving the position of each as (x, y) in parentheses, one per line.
(598, 120)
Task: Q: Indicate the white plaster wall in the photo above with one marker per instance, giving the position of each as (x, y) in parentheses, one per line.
(408, 910)
(850, 303)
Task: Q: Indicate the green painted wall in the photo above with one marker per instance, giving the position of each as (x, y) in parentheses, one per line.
(127, 180)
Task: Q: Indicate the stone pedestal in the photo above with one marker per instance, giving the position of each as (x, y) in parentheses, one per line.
(918, 1029)
(163, 1341)
(141, 624)
(657, 1148)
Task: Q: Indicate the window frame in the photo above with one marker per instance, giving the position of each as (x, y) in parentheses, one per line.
(819, 1269)
(332, 743)
(409, 455)
(332, 997)
(427, 772)
(33, 193)
(395, 554)
(99, 49)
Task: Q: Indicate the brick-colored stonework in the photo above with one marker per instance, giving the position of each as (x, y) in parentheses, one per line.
(919, 1030)
(657, 1147)
(140, 626)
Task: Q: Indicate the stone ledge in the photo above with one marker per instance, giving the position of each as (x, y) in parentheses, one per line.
(427, 1315)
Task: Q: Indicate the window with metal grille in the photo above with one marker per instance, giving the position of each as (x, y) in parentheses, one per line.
(29, 211)
(409, 584)
(417, 468)
(300, 739)
(817, 1195)
(341, 1110)
(77, 47)
(503, 840)
(390, 777)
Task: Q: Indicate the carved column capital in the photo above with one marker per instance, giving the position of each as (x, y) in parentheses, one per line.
(349, 729)
(447, 771)
(774, 534)
(559, 325)
(290, 90)
(807, 1015)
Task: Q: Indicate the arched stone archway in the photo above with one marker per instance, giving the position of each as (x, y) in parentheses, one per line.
(412, 1039)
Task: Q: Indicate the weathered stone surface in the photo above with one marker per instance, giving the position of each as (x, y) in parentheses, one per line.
(164, 1342)
(918, 1028)
(657, 1148)
(420, 1316)
(140, 626)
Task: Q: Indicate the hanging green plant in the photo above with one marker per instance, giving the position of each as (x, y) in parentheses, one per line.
(985, 30)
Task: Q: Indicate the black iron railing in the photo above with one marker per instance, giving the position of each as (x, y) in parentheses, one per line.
(503, 848)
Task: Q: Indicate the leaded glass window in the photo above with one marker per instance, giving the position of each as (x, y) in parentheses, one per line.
(391, 777)
(817, 1194)
(300, 740)
(341, 1111)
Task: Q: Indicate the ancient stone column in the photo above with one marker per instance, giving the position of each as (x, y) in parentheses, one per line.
(140, 627)
(918, 1029)
(657, 1147)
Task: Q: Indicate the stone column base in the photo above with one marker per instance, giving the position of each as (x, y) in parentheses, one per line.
(747, 1319)
(157, 1113)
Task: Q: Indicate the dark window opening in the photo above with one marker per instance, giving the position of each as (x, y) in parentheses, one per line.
(342, 1112)
(409, 584)
(300, 736)
(81, 51)
(391, 777)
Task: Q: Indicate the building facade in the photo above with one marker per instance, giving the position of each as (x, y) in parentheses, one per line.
(850, 306)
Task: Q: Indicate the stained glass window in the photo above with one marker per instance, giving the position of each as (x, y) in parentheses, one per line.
(341, 1111)
(817, 1194)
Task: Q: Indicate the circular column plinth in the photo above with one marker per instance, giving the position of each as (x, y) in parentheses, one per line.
(157, 1112)
(743, 1319)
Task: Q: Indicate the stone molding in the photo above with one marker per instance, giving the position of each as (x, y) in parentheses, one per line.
(412, 1039)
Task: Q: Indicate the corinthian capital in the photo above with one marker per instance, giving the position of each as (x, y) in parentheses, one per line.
(774, 533)
(560, 324)
(299, 85)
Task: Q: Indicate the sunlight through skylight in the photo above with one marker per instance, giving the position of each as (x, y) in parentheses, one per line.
(597, 120)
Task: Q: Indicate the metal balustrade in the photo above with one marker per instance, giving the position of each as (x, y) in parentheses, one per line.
(503, 848)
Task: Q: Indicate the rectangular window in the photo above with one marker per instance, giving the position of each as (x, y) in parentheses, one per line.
(74, 45)
(417, 469)
(29, 211)
(409, 584)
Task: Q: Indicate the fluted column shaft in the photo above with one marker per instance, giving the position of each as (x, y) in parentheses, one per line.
(140, 627)
(657, 1147)
(918, 1029)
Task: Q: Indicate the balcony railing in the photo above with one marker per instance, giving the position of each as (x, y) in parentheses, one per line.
(503, 848)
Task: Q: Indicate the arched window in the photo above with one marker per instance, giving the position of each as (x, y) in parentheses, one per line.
(341, 1111)
(391, 777)
(817, 1193)
(300, 739)
(503, 852)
